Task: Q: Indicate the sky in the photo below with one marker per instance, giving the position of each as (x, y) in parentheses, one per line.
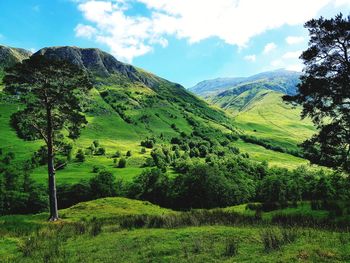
(185, 41)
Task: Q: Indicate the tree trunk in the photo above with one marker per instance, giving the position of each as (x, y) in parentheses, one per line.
(51, 169)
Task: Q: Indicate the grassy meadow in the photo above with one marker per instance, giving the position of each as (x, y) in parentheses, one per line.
(109, 230)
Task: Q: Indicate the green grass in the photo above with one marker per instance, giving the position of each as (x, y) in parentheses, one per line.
(185, 244)
(9, 141)
(268, 117)
(111, 207)
(259, 153)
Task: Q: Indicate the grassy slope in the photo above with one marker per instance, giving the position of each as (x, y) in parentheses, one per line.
(268, 117)
(196, 244)
(115, 134)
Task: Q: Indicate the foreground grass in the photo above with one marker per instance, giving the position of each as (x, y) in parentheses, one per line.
(189, 244)
(109, 230)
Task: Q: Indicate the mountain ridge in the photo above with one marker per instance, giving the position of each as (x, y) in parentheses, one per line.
(283, 80)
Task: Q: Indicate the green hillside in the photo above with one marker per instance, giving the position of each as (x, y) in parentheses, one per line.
(129, 105)
(268, 117)
(260, 114)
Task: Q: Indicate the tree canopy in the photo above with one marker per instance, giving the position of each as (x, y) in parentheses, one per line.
(324, 91)
(51, 92)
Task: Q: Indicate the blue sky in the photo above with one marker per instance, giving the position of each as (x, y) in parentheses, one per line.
(185, 41)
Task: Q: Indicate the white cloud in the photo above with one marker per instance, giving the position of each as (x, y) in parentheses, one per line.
(269, 47)
(342, 2)
(277, 63)
(233, 21)
(85, 31)
(292, 54)
(295, 67)
(291, 40)
(251, 58)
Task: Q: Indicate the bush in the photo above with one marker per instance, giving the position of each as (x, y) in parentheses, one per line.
(97, 168)
(148, 143)
(128, 153)
(143, 150)
(80, 156)
(103, 185)
(122, 163)
(96, 143)
(117, 154)
(100, 151)
(151, 185)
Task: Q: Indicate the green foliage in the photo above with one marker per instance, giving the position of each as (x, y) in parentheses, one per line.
(19, 194)
(80, 156)
(103, 185)
(151, 185)
(122, 163)
(324, 91)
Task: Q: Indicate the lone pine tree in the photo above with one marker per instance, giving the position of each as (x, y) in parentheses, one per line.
(51, 92)
(324, 91)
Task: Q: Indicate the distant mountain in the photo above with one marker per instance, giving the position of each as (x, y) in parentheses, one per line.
(279, 80)
(256, 102)
(242, 91)
(206, 88)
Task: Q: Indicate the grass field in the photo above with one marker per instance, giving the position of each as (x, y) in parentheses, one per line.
(268, 117)
(31, 239)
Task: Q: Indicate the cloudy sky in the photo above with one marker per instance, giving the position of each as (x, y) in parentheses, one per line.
(185, 41)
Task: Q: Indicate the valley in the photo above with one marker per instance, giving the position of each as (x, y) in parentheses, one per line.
(161, 175)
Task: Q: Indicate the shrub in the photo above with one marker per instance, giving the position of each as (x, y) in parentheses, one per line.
(100, 151)
(103, 185)
(117, 154)
(128, 153)
(143, 150)
(96, 143)
(96, 168)
(151, 185)
(122, 163)
(148, 143)
(80, 156)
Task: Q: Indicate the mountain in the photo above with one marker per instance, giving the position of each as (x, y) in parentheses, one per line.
(126, 107)
(206, 88)
(96, 61)
(259, 111)
(10, 56)
(236, 97)
(279, 80)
